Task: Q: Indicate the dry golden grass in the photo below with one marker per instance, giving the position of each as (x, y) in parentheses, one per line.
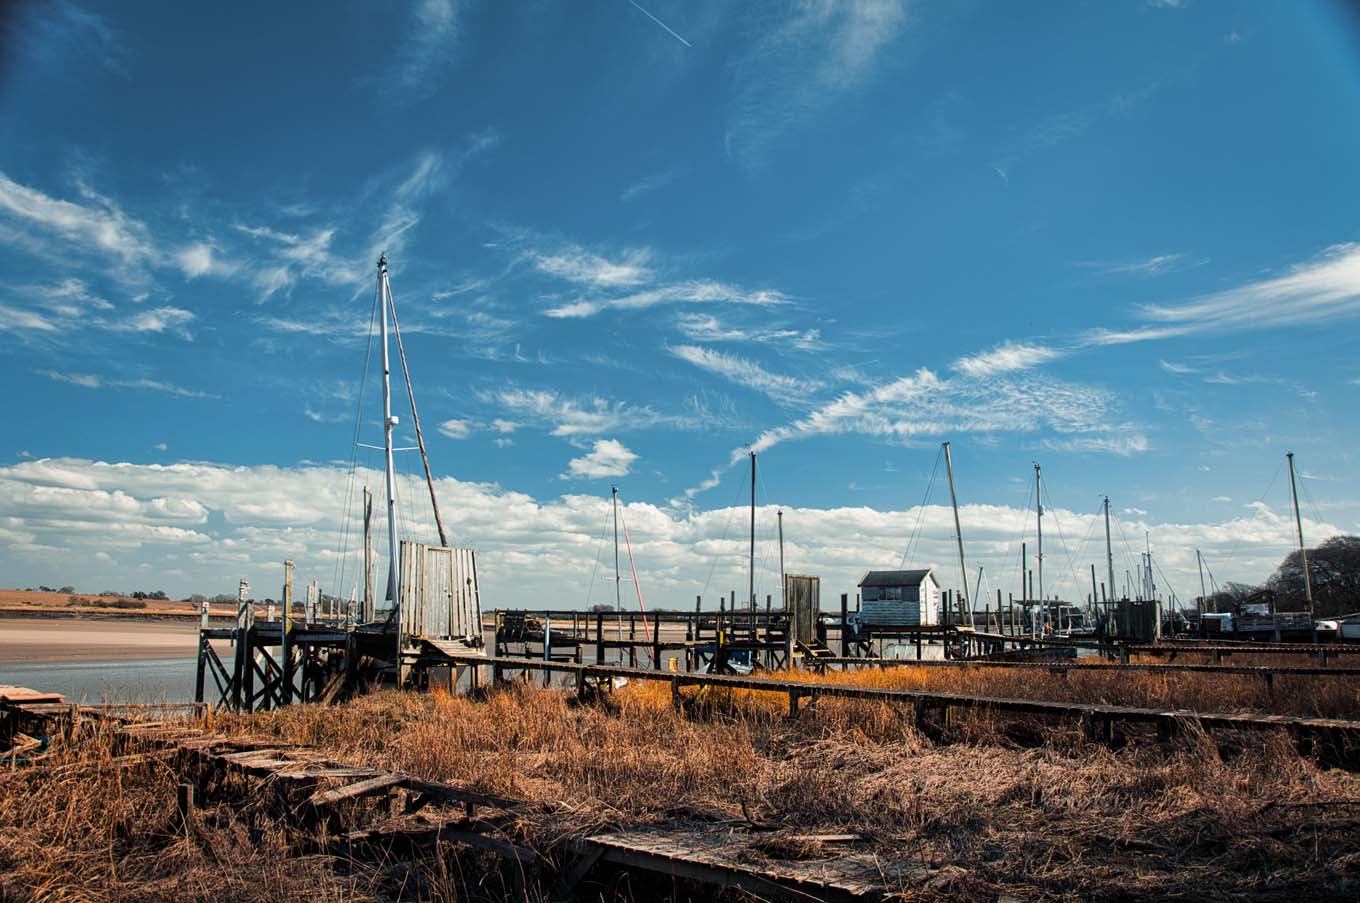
(1330, 697)
(995, 806)
(86, 825)
(1049, 817)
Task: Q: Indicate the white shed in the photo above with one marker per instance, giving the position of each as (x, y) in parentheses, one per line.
(900, 598)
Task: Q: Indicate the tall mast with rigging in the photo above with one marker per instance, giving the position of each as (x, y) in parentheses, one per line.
(1039, 508)
(389, 422)
(618, 596)
(751, 561)
(965, 609)
(1303, 552)
(783, 591)
(1109, 560)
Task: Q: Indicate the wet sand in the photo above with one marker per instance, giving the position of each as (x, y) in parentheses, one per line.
(74, 639)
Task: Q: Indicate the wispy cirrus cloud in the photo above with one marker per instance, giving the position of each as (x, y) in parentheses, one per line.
(1123, 446)
(579, 266)
(432, 44)
(647, 185)
(94, 381)
(159, 319)
(708, 328)
(17, 320)
(60, 34)
(692, 292)
(1324, 289)
(69, 306)
(823, 49)
(1321, 289)
(1151, 266)
(95, 224)
(575, 416)
(924, 406)
(608, 458)
(1007, 357)
(747, 373)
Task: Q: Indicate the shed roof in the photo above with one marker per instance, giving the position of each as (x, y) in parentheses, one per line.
(895, 578)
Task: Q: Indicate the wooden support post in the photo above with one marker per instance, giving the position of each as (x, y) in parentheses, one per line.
(845, 625)
(675, 693)
(599, 638)
(656, 641)
(793, 703)
(202, 665)
(285, 649)
(184, 807)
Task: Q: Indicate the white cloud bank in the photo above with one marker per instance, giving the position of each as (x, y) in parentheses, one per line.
(199, 527)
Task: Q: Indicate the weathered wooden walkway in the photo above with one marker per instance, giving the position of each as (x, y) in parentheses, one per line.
(1097, 719)
(402, 814)
(1077, 666)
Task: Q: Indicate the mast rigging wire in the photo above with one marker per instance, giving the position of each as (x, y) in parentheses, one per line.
(415, 417)
(633, 564)
(339, 571)
(921, 511)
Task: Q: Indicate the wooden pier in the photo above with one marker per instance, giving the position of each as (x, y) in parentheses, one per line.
(1341, 737)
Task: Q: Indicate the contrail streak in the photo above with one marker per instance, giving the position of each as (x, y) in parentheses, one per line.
(669, 30)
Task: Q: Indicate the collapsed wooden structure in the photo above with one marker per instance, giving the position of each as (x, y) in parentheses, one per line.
(273, 663)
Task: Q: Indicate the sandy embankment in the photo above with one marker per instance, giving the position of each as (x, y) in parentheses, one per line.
(45, 640)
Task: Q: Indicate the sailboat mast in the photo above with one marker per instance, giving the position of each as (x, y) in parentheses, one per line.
(389, 422)
(751, 569)
(618, 596)
(1203, 594)
(415, 415)
(965, 610)
(783, 596)
(1109, 559)
(1152, 584)
(368, 557)
(1039, 508)
(1303, 552)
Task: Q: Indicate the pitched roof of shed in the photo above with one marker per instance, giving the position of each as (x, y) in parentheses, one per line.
(895, 578)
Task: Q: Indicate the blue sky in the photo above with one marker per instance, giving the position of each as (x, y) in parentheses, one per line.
(1116, 238)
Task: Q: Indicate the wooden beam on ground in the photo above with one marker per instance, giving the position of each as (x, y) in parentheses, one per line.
(378, 784)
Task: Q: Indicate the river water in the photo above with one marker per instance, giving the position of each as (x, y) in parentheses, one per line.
(149, 680)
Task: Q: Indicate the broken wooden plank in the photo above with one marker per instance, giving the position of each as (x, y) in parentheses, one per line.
(24, 696)
(378, 784)
(449, 793)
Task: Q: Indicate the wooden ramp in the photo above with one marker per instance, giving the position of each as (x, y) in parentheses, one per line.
(12, 695)
(752, 862)
(318, 790)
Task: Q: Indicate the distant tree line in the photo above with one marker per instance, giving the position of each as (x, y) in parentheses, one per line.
(1333, 568)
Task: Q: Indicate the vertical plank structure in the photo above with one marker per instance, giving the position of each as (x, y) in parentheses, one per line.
(285, 650)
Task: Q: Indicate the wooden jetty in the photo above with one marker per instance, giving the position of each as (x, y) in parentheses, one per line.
(1341, 737)
(362, 814)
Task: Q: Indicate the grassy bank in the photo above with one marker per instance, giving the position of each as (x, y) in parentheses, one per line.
(994, 807)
